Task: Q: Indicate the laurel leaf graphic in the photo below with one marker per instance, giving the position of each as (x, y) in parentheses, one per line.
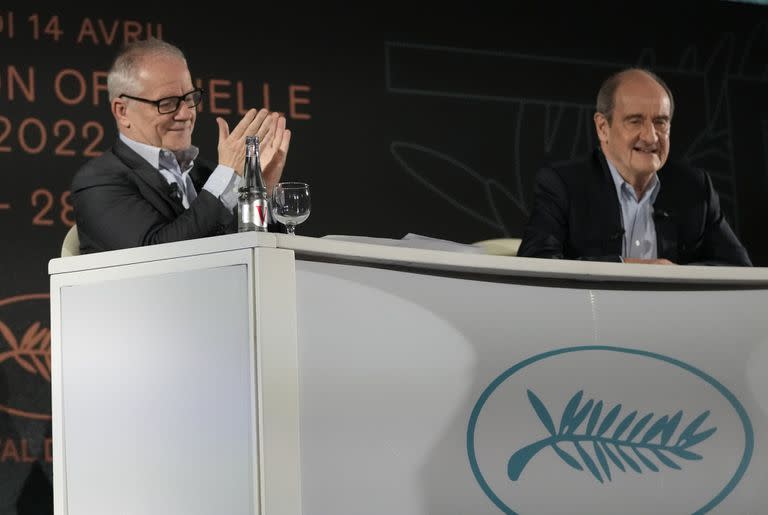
(609, 419)
(32, 336)
(45, 341)
(698, 438)
(665, 460)
(671, 427)
(613, 457)
(629, 461)
(639, 427)
(14, 352)
(40, 367)
(689, 431)
(651, 452)
(601, 458)
(587, 459)
(686, 455)
(35, 344)
(542, 412)
(593, 417)
(623, 425)
(26, 365)
(648, 463)
(579, 417)
(8, 336)
(44, 347)
(570, 460)
(570, 409)
(655, 429)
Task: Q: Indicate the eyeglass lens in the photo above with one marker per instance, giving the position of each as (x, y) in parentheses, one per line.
(171, 104)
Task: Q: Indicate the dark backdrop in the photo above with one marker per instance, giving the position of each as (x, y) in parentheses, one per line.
(404, 118)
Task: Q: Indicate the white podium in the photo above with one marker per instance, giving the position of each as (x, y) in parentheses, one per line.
(267, 374)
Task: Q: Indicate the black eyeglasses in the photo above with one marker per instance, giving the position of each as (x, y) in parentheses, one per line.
(169, 105)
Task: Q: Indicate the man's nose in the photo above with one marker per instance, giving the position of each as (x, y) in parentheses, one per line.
(184, 112)
(648, 132)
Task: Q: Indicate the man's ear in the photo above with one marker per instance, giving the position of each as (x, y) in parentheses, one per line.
(601, 127)
(119, 107)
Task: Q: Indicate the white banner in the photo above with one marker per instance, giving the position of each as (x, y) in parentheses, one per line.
(423, 394)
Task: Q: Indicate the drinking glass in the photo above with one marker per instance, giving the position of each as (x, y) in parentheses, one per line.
(291, 204)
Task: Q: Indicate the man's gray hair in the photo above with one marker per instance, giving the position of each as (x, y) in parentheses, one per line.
(123, 77)
(606, 97)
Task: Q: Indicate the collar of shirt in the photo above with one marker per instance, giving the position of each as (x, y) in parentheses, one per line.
(185, 158)
(173, 166)
(624, 189)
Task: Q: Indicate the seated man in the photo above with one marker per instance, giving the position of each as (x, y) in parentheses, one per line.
(150, 187)
(622, 203)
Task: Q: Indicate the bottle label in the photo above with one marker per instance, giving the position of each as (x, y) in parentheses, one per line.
(253, 214)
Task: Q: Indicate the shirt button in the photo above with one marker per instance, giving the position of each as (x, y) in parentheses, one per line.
(637, 243)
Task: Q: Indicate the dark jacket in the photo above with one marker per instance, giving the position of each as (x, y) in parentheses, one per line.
(121, 201)
(576, 215)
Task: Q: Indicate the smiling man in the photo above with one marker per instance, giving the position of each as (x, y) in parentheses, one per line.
(624, 202)
(150, 187)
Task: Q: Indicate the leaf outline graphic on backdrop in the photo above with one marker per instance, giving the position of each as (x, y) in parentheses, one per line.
(32, 353)
(496, 195)
(662, 429)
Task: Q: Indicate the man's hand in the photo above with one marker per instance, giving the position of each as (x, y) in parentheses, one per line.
(273, 149)
(641, 261)
(232, 145)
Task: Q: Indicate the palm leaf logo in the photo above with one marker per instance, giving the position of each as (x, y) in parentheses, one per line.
(627, 446)
(33, 352)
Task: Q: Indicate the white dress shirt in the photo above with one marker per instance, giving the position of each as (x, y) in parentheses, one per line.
(223, 183)
(637, 217)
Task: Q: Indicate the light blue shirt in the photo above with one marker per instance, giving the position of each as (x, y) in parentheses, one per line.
(637, 217)
(223, 183)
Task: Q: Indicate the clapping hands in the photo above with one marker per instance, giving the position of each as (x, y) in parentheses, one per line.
(274, 140)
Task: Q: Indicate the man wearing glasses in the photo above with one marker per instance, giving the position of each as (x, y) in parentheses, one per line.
(150, 187)
(622, 203)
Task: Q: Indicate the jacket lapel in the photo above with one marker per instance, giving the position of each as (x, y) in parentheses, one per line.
(607, 205)
(666, 228)
(170, 206)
